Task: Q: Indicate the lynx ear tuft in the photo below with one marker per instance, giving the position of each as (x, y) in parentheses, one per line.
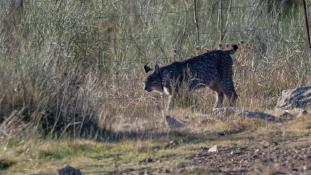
(235, 47)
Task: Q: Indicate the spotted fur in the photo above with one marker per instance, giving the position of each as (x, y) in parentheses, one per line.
(212, 69)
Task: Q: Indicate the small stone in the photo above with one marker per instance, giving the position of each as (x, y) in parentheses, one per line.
(167, 171)
(265, 144)
(171, 143)
(237, 152)
(213, 149)
(302, 113)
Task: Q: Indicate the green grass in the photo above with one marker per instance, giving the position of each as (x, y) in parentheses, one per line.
(86, 154)
(152, 154)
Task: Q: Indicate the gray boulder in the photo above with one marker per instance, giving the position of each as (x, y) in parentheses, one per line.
(259, 115)
(295, 98)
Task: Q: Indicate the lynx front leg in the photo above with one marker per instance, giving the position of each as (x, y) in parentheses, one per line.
(171, 92)
(170, 102)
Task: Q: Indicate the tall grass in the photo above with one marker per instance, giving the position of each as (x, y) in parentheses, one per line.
(73, 67)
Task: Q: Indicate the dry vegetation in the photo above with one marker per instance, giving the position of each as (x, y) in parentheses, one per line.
(74, 69)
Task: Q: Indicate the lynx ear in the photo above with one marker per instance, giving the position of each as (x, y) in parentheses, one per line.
(147, 68)
(156, 69)
(235, 47)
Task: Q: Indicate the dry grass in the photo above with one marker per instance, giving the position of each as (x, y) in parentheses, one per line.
(302, 125)
(68, 73)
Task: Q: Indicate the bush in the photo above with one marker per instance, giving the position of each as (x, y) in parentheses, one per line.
(71, 66)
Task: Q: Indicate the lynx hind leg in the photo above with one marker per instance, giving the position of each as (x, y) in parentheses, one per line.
(219, 94)
(229, 90)
(219, 100)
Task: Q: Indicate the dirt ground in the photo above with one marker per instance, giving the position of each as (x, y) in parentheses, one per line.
(244, 146)
(274, 157)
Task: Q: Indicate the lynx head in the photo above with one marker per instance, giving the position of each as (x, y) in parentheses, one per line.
(154, 80)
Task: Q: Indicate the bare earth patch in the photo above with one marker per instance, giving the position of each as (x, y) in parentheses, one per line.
(256, 159)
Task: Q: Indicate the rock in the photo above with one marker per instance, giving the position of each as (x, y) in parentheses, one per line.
(172, 122)
(236, 152)
(258, 115)
(285, 114)
(213, 149)
(225, 112)
(291, 113)
(265, 144)
(171, 143)
(295, 98)
(167, 171)
(68, 170)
